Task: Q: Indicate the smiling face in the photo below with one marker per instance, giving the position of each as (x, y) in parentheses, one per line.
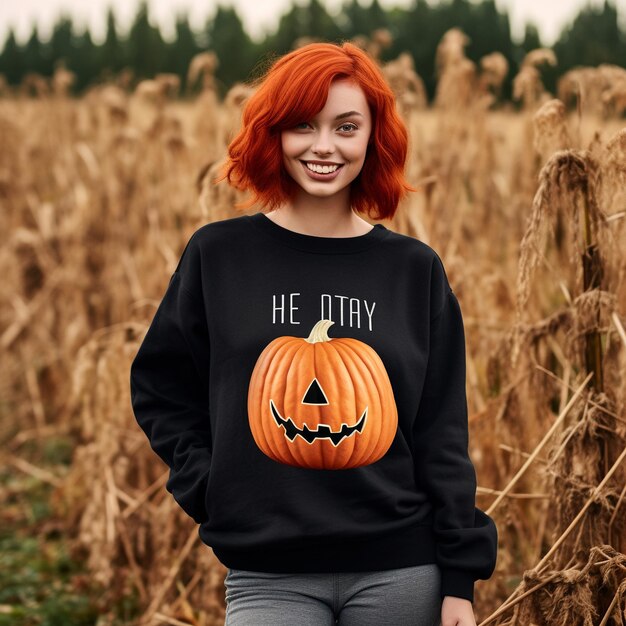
(331, 139)
(315, 396)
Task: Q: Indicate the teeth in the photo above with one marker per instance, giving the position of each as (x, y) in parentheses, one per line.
(322, 169)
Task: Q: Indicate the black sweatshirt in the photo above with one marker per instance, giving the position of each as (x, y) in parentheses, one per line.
(308, 395)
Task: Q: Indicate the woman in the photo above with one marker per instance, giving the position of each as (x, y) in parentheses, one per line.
(304, 374)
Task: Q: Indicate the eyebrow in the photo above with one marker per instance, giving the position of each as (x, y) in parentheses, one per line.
(348, 114)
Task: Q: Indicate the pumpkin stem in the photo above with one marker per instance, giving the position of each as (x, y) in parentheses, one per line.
(320, 332)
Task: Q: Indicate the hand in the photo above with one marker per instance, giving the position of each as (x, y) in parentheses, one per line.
(457, 612)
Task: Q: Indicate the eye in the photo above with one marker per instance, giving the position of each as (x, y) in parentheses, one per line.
(349, 125)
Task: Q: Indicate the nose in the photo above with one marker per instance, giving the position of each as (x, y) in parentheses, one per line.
(323, 144)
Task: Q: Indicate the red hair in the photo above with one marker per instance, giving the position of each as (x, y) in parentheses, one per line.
(295, 89)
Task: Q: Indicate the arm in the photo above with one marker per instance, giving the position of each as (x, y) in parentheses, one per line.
(169, 386)
(466, 537)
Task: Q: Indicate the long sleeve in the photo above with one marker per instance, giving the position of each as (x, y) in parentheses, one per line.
(466, 538)
(169, 386)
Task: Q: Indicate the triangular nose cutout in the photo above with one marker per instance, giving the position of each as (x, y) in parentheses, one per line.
(314, 394)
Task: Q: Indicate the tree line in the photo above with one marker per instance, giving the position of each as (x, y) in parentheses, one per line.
(593, 37)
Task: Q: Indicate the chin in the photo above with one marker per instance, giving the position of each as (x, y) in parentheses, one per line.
(326, 191)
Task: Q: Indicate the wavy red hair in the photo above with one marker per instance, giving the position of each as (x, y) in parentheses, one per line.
(294, 89)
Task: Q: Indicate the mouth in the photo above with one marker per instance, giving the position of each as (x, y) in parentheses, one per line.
(319, 175)
(323, 431)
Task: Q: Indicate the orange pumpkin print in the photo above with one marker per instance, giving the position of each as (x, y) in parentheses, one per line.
(321, 402)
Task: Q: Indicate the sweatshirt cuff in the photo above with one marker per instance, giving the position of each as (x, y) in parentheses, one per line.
(457, 582)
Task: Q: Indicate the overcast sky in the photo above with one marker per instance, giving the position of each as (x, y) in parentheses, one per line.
(259, 16)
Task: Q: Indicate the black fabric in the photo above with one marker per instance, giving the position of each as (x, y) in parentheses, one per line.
(242, 283)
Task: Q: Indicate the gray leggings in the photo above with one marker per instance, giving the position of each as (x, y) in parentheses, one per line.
(407, 596)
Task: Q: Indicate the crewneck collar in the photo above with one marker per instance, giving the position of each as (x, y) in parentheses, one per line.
(313, 243)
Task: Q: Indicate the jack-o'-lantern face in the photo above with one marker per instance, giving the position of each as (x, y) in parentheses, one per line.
(321, 403)
(315, 396)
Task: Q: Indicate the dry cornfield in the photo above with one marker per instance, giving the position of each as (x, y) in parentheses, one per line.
(527, 209)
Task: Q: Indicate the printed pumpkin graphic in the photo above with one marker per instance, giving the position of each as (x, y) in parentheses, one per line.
(321, 402)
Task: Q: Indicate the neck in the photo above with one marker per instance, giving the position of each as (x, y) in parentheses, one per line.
(321, 217)
(320, 222)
